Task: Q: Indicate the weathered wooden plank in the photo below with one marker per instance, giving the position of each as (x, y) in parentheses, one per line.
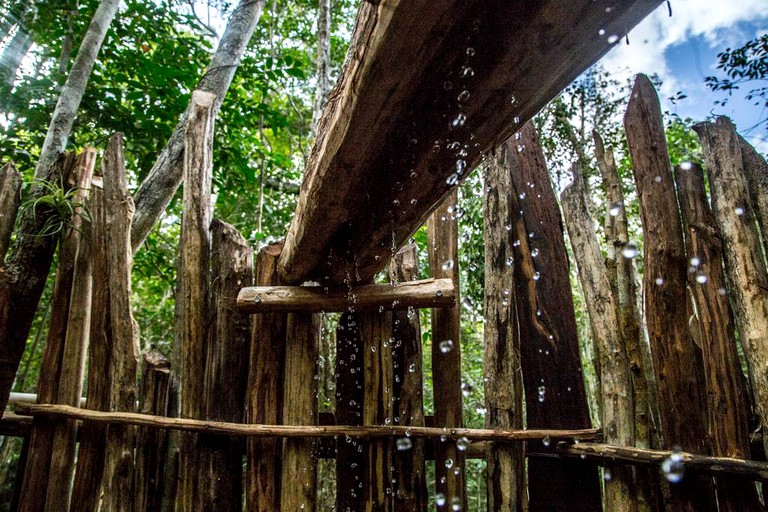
(264, 394)
(426, 293)
(410, 486)
(443, 250)
(678, 376)
(10, 199)
(756, 171)
(392, 140)
(501, 357)
(298, 489)
(617, 408)
(226, 370)
(555, 396)
(726, 393)
(118, 468)
(744, 267)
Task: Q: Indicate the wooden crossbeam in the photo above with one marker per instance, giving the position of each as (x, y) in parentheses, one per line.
(427, 293)
(428, 87)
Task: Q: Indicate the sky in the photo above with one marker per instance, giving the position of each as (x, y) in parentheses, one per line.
(682, 50)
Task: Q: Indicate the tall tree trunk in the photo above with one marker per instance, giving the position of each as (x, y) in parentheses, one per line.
(322, 60)
(10, 199)
(74, 88)
(756, 171)
(160, 185)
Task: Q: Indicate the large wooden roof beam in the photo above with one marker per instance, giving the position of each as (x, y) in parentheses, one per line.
(428, 86)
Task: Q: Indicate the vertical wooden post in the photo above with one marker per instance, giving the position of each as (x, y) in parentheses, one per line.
(75, 345)
(744, 265)
(36, 474)
(443, 236)
(756, 172)
(10, 199)
(226, 370)
(555, 396)
(727, 403)
(664, 282)
(152, 443)
(501, 355)
(118, 487)
(617, 408)
(408, 388)
(350, 459)
(194, 263)
(299, 463)
(90, 459)
(264, 394)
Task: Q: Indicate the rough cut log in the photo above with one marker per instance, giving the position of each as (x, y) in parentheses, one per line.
(410, 488)
(427, 293)
(24, 276)
(298, 488)
(118, 467)
(501, 357)
(726, 393)
(555, 396)
(681, 404)
(151, 444)
(264, 394)
(744, 267)
(350, 495)
(75, 345)
(37, 470)
(443, 250)
(10, 199)
(756, 171)
(617, 409)
(90, 459)
(718, 466)
(226, 370)
(399, 118)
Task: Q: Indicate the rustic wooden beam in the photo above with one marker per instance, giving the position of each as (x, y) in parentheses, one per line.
(310, 431)
(427, 293)
(756, 171)
(429, 87)
(718, 466)
(10, 199)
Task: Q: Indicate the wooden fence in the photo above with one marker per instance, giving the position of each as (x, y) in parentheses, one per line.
(231, 422)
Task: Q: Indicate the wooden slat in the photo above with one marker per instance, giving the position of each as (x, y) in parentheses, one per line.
(385, 153)
(428, 293)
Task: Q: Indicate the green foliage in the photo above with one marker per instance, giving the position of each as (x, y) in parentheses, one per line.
(743, 65)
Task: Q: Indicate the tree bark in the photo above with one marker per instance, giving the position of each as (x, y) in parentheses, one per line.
(681, 404)
(756, 171)
(322, 60)
(744, 265)
(727, 402)
(74, 88)
(617, 407)
(119, 465)
(160, 185)
(443, 250)
(10, 199)
(501, 357)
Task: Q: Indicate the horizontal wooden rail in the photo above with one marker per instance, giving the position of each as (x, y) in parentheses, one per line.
(428, 293)
(640, 456)
(288, 431)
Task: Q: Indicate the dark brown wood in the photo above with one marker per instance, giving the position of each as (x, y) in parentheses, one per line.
(410, 486)
(756, 171)
(443, 250)
(726, 393)
(616, 407)
(555, 396)
(744, 264)
(151, 444)
(298, 489)
(10, 199)
(679, 380)
(118, 467)
(14, 425)
(92, 449)
(350, 459)
(264, 394)
(226, 370)
(384, 155)
(501, 357)
(426, 293)
(718, 466)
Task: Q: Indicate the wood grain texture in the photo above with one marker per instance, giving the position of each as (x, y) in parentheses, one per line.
(756, 171)
(385, 154)
(10, 199)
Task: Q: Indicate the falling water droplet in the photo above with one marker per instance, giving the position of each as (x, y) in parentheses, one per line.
(673, 467)
(459, 121)
(615, 208)
(613, 38)
(546, 440)
(448, 265)
(446, 346)
(630, 251)
(404, 444)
